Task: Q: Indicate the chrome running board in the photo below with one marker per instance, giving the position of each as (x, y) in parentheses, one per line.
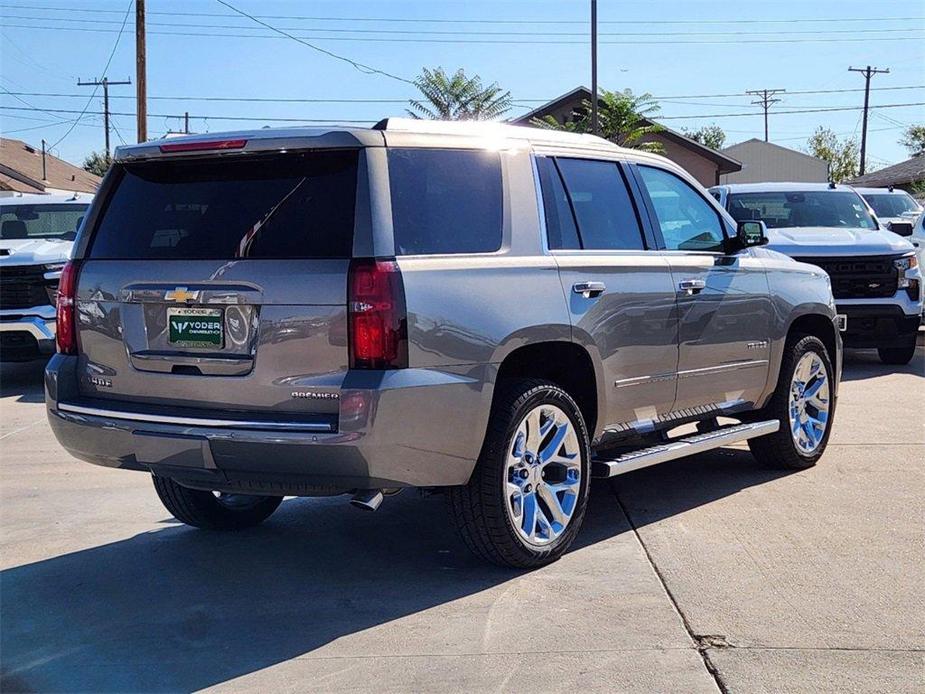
(680, 448)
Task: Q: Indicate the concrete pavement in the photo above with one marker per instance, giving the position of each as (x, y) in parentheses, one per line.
(702, 575)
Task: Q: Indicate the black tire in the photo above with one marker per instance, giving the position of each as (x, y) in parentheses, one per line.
(204, 510)
(898, 356)
(478, 508)
(779, 449)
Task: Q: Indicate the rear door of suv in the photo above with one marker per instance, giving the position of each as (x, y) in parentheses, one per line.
(621, 299)
(217, 284)
(724, 307)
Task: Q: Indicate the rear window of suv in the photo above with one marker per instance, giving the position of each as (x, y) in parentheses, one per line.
(281, 206)
(445, 201)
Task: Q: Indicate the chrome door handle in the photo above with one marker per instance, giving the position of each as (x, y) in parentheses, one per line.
(692, 286)
(589, 289)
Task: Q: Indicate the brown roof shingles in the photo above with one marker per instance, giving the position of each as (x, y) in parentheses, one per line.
(21, 170)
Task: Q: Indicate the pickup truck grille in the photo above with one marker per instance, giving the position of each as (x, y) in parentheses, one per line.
(23, 286)
(860, 278)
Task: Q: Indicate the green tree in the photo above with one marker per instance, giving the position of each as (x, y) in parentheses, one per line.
(841, 154)
(457, 97)
(625, 120)
(711, 136)
(98, 163)
(913, 139)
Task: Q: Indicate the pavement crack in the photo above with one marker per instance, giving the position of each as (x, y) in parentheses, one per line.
(703, 641)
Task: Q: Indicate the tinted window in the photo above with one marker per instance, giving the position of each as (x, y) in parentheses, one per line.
(688, 222)
(560, 223)
(445, 201)
(819, 208)
(284, 206)
(41, 221)
(606, 216)
(892, 204)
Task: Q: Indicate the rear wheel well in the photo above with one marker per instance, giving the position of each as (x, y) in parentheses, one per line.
(564, 363)
(819, 326)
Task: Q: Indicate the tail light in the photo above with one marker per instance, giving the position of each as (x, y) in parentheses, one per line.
(67, 309)
(378, 324)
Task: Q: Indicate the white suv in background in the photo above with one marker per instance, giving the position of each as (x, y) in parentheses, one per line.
(895, 209)
(36, 236)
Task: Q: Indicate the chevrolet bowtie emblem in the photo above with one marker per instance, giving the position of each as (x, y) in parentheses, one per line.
(180, 294)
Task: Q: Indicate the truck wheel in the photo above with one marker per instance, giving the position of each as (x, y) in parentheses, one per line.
(897, 355)
(214, 511)
(803, 403)
(524, 504)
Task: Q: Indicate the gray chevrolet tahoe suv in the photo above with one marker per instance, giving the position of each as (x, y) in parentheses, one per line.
(499, 312)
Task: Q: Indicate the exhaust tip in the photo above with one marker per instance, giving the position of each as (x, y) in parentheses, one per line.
(367, 499)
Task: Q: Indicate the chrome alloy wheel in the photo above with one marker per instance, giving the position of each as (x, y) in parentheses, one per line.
(809, 403)
(543, 475)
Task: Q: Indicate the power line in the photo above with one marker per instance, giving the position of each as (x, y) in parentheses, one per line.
(458, 32)
(404, 100)
(528, 42)
(420, 20)
(105, 70)
(369, 120)
(367, 69)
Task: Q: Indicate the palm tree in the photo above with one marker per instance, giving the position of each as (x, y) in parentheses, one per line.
(457, 97)
(624, 119)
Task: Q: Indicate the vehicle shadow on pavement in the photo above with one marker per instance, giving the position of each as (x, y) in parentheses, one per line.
(865, 363)
(182, 609)
(23, 380)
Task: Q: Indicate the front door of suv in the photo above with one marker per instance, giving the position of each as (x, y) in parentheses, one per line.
(724, 307)
(621, 298)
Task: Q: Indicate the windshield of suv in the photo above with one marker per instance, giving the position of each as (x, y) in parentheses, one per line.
(817, 208)
(47, 222)
(892, 204)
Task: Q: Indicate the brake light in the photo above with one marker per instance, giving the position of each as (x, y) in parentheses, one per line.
(202, 146)
(66, 331)
(378, 324)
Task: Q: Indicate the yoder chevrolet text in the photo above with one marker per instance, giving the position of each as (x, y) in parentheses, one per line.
(495, 312)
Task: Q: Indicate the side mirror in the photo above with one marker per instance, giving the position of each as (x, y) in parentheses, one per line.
(901, 228)
(748, 233)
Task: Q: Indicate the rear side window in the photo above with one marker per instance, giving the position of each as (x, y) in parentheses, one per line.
(560, 222)
(603, 208)
(280, 206)
(445, 201)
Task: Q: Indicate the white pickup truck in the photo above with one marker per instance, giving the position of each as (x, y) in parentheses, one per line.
(874, 272)
(36, 236)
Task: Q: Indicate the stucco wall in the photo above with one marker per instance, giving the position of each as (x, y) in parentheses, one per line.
(762, 161)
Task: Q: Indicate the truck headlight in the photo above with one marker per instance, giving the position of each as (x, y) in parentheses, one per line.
(903, 266)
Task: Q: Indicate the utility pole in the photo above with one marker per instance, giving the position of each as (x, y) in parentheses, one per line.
(105, 84)
(595, 122)
(186, 122)
(44, 174)
(141, 80)
(765, 99)
(868, 72)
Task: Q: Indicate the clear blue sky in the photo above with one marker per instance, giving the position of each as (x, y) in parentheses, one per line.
(536, 49)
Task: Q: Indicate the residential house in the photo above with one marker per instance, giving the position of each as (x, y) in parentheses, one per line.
(908, 175)
(21, 172)
(764, 161)
(705, 164)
